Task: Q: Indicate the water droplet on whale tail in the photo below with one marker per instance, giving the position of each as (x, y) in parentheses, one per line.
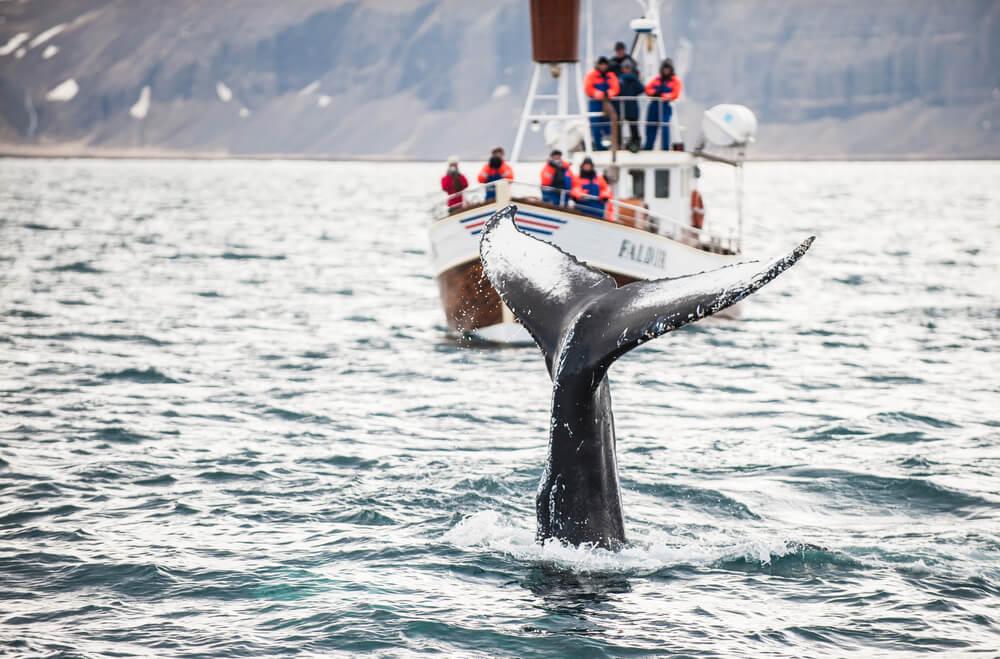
(581, 319)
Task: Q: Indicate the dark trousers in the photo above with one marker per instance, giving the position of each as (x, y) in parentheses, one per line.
(628, 113)
(658, 116)
(600, 127)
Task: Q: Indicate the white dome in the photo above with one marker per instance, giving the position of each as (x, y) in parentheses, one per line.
(729, 125)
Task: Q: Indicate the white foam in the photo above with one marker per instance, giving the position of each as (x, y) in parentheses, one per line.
(224, 93)
(46, 35)
(244, 113)
(501, 91)
(14, 43)
(312, 87)
(323, 101)
(65, 91)
(141, 107)
(49, 52)
(653, 551)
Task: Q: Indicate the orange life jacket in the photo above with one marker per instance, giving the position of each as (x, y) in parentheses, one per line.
(487, 174)
(601, 85)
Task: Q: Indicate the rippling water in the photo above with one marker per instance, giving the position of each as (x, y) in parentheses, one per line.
(232, 425)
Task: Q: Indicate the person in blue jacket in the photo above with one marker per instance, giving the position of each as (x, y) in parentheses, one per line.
(628, 108)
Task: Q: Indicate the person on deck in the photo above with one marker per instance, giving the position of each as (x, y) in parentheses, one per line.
(664, 89)
(453, 182)
(494, 170)
(628, 108)
(600, 84)
(619, 58)
(590, 190)
(557, 180)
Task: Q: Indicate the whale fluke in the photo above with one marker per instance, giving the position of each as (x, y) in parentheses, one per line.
(552, 292)
(583, 322)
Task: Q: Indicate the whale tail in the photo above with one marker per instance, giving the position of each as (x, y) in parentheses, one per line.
(581, 319)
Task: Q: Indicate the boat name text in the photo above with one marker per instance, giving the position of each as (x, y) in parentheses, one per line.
(642, 254)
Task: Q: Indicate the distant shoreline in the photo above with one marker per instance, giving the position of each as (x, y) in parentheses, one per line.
(61, 152)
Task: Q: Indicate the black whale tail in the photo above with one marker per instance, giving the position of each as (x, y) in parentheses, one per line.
(579, 317)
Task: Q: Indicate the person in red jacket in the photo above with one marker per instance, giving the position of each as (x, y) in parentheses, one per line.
(600, 84)
(494, 170)
(664, 88)
(557, 179)
(590, 190)
(453, 182)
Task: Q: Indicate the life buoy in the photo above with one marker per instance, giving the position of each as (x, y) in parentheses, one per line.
(697, 210)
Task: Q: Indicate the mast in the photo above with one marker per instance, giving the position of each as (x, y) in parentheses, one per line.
(555, 36)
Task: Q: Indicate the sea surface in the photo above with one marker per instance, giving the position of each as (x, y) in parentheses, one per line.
(232, 424)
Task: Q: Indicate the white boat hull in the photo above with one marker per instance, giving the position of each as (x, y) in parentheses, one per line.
(628, 254)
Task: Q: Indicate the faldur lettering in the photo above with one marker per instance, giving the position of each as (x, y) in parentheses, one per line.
(643, 254)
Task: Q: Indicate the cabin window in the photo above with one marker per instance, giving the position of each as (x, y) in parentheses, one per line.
(662, 184)
(638, 177)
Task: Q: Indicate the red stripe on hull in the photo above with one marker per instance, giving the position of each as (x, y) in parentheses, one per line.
(543, 225)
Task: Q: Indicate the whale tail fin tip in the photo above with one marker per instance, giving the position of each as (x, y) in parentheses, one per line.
(556, 296)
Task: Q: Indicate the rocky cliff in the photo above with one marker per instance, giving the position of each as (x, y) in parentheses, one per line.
(424, 78)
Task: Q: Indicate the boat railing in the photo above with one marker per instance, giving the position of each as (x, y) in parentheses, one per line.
(628, 214)
(613, 210)
(641, 122)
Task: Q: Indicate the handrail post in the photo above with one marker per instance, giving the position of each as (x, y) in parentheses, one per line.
(739, 206)
(503, 191)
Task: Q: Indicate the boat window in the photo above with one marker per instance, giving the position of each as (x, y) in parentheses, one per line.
(662, 183)
(638, 177)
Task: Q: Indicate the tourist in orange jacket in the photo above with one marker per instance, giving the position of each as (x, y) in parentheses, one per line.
(557, 179)
(494, 170)
(590, 190)
(600, 84)
(663, 89)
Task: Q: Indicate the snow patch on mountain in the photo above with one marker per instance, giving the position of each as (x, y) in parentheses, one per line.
(141, 107)
(64, 91)
(14, 43)
(46, 35)
(224, 93)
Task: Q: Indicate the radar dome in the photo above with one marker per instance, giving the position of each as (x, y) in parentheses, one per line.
(729, 125)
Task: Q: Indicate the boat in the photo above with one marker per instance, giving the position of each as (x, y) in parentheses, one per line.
(651, 228)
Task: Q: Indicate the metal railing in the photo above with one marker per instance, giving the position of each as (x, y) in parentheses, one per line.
(622, 128)
(618, 212)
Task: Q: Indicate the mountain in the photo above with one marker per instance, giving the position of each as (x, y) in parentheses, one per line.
(425, 78)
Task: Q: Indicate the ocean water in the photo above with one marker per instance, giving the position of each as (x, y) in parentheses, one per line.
(232, 424)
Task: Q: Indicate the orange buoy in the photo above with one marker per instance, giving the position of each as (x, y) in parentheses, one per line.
(697, 210)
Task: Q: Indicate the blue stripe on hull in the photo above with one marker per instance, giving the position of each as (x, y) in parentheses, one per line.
(476, 217)
(537, 216)
(524, 227)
